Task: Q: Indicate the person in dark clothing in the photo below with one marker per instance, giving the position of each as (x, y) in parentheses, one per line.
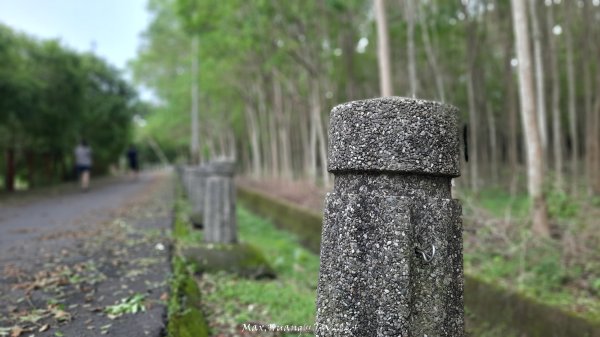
(83, 163)
(132, 158)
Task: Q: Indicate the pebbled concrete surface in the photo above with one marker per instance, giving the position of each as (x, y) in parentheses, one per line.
(65, 259)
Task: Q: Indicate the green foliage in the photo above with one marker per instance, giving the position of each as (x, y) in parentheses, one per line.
(129, 305)
(561, 205)
(51, 97)
(500, 202)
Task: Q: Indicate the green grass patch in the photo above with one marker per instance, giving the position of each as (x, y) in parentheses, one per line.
(287, 300)
(500, 202)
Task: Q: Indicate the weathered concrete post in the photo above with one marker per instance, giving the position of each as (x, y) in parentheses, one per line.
(219, 203)
(187, 179)
(391, 248)
(197, 193)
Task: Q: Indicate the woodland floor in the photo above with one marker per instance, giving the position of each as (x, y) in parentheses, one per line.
(87, 263)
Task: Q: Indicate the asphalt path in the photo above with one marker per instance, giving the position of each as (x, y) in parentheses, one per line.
(88, 263)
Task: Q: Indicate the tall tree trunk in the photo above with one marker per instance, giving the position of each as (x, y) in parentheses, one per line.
(383, 50)
(596, 138)
(588, 89)
(9, 179)
(493, 142)
(253, 131)
(283, 130)
(409, 10)
(539, 74)
(473, 123)
(556, 120)
(194, 142)
(571, 99)
(263, 126)
(318, 141)
(431, 56)
(272, 131)
(535, 161)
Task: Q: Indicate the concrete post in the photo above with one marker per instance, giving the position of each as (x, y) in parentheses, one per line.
(219, 203)
(391, 248)
(198, 190)
(187, 180)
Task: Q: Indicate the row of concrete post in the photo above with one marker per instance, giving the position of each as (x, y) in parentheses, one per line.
(211, 192)
(391, 248)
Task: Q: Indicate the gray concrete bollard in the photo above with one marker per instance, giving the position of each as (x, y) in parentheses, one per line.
(219, 218)
(391, 248)
(187, 179)
(198, 191)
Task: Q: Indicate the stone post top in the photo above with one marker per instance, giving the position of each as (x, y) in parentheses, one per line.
(395, 134)
(218, 168)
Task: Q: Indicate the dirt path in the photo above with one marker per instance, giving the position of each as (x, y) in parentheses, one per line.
(67, 259)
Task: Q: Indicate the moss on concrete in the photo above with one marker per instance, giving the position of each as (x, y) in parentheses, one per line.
(184, 311)
(241, 259)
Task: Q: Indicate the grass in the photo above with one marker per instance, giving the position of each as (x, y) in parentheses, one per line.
(287, 300)
(500, 248)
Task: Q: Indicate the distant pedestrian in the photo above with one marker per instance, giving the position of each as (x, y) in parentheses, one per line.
(132, 158)
(83, 163)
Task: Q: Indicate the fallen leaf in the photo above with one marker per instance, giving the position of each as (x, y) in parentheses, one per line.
(16, 331)
(44, 328)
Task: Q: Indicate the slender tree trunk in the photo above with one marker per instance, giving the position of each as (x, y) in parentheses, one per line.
(556, 120)
(273, 144)
(9, 179)
(194, 142)
(30, 158)
(431, 56)
(571, 99)
(409, 10)
(253, 131)
(596, 139)
(308, 146)
(535, 161)
(283, 130)
(493, 142)
(473, 123)
(383, 50)
(539, 74)
(588, 88)
(318, 142)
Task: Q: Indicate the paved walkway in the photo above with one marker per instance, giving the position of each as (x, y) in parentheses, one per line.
(66, 260)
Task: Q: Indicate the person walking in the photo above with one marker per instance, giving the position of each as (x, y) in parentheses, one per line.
(132, 158)
(83, 163)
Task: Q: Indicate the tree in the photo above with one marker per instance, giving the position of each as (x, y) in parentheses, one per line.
(410, 13)
(383, 49)
(535, 161)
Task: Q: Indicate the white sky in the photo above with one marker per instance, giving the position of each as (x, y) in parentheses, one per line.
(113, 26)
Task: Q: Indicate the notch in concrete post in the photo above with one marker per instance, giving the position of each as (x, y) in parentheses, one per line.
(219, 202)
(391, 248)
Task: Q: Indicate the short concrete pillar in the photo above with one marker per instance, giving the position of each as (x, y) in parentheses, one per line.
(198, 190)
(391, 248)
(187, 179)
(219, 203)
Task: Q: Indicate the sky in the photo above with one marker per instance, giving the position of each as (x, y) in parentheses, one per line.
(110, 27)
